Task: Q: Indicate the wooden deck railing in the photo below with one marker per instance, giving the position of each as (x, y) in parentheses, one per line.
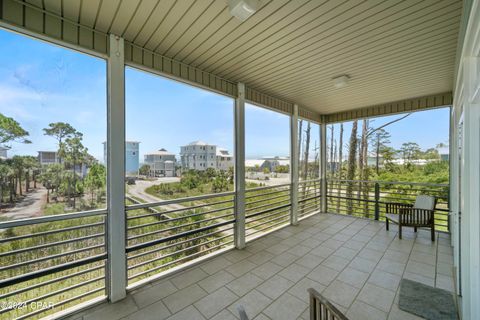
(322, 309)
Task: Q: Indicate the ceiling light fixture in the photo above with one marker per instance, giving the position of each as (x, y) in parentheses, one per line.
(341, 81)
(242, 9)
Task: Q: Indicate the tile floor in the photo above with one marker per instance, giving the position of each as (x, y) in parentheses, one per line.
(353, 262)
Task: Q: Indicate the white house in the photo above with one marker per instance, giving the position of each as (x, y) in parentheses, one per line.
(46, 158)
(132, 156)
(161, 163)
(269, 163)
(200, 155)
(3, 153)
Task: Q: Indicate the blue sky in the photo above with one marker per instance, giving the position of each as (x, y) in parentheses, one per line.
(42, 83)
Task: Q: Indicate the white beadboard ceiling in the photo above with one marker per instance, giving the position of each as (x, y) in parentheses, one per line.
(391, 49)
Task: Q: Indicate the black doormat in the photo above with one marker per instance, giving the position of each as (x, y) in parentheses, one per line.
(427, 302)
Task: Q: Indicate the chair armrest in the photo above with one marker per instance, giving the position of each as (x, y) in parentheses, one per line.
(394, 207)
(416, 216)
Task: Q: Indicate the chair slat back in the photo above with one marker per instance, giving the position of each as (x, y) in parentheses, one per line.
(424, 202)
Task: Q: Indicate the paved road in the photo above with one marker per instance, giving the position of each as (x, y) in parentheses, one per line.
(30, 206)
(138, 190)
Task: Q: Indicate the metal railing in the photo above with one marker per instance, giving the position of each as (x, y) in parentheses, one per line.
(309, 197)
(51, 263)
(368, 198)
(176, 232)
(266, 208)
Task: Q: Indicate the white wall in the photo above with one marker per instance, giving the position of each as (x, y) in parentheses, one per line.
(466, 161)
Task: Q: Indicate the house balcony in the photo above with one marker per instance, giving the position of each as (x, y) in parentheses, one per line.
(182, 263)
(353, 262)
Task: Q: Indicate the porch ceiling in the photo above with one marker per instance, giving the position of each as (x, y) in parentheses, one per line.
(392, 50)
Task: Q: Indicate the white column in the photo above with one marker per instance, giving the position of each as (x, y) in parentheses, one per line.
(470, 217)
(116, 265)
(323, 167)
(240, 167)
(294, 166)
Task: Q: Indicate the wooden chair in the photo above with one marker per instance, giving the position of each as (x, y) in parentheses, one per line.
(242, 313)
(322, 309)
(419, 214)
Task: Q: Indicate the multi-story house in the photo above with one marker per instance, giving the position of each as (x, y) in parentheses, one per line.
(200, 155)
(162, 163)
(46, 158)
(132, 156)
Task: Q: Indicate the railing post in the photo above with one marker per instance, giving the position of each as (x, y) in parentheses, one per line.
(377, 199)
(323, 167)
(116, 280)
(294, 166)
(239, 231)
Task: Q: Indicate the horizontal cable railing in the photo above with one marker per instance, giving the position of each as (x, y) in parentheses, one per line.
(51, 263)
(369, 198)
(176, 231)
(308, 197)
(266, 208)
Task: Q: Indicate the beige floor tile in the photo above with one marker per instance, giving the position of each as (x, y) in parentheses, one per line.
(362, 311)
(323, 275)
(346, 253)
(275, 286)
(244, 284)
(362, 264)
(155, 311)
(215, 281)
(370, 254)
(261, 257)
(148, 295)
(391, 266)
(341, 293)
(300, 288)
(284, 259)
(112, 311)
(309, 261)
(294, 272)
(419, 278)
(188, 277)
(423, 269)
(267, 270)
(183, 298)
(189, 313)
(286, 307)
(253, 303)
(322, 251)
(444, 282)
(236, 255)
(215, 302)
(299, 250)
(335, 262)
(385, 280)
(224, 315)
(240, 268)
(377, 297)
(215, 265)
(353, 277)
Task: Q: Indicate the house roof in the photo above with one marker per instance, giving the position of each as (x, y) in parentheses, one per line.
(198, 143)
(223, 152)
(161, 152)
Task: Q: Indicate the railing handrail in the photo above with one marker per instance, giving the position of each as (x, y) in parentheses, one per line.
(393, 182)
(268, 187)
(310, 180)
(51, 218)
(178, 200)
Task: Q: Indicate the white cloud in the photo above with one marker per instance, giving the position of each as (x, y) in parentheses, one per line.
(10, 94)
